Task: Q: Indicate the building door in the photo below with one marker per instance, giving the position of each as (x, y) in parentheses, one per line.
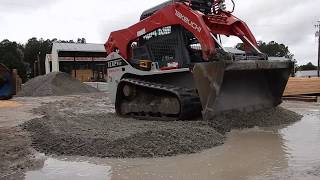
(100, 73)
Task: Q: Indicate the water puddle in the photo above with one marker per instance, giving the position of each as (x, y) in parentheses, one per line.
(291, 152)
(57, 169)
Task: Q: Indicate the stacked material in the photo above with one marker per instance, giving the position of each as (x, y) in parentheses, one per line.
(54, 84)
(302, 86)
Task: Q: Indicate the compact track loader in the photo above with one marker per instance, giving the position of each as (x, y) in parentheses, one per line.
(172, 65)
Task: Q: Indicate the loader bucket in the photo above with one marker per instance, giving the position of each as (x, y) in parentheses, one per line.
(242, 86)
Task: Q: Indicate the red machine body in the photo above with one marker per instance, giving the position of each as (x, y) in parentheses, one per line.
(180, 13)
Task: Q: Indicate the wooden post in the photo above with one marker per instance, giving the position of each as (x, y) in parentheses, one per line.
(16, 81)
(39, 64)
(318, 34)
(35, 69)
(74, 67)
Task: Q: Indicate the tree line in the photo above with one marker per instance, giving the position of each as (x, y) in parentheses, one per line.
(23, 56)
(307, 67)
(272, 49)
(275, 49)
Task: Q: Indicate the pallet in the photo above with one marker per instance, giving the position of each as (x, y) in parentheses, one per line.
(301, 98)
(302, 86)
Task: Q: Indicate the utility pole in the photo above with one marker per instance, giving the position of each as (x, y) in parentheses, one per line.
(318, 35)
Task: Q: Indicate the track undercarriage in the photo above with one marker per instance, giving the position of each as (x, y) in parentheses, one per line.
(148, 100)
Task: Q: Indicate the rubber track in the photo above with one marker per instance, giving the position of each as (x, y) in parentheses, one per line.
(190, 105)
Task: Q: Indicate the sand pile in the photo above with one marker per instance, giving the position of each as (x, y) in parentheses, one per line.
(54, 84)
(84, 127)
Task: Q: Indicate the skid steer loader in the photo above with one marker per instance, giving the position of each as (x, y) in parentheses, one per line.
(172, 65)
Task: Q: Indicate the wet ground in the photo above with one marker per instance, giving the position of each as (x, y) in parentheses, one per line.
(287, 152)
(19, 110)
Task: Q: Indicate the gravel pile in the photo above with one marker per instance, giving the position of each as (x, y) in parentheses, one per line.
(109, 136)
(263, 118)
(54, 84)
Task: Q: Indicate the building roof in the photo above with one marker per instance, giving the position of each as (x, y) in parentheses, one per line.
(78, 47)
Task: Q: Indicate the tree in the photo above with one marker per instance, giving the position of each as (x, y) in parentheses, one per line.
(307, 67)
(11, 55)
(275, 49)
(82, 40)
(35, 49)
(271, 49)
(31, 51)
(61, 41)
(23, 57)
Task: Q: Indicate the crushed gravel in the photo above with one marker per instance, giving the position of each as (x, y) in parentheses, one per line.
(54, 84)
(263, 118)
(87, 126)
(109, 136)
(16, 155)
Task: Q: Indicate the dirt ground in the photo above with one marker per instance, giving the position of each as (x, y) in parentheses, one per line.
(16, 153)
(85, 125)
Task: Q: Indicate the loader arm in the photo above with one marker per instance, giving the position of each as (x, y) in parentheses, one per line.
(179, 13)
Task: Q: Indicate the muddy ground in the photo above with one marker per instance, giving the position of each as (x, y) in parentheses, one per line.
(86, 125)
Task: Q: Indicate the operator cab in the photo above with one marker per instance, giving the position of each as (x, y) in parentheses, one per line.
(171, 47)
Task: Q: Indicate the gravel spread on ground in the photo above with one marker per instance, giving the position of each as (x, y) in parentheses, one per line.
(87, 126)
(54, 84)
(16, 155)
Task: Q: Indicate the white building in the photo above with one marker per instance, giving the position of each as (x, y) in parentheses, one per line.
(83, 61)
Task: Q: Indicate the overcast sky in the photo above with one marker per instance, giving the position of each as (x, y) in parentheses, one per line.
(286, 21)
